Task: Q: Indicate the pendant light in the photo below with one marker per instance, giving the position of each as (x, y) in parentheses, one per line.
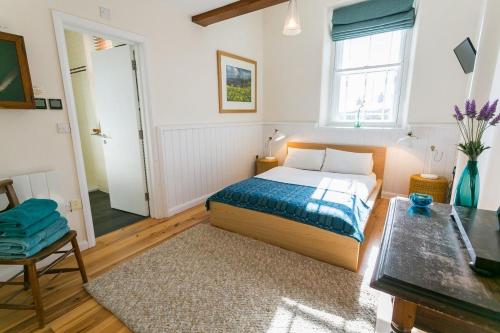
(292, 22)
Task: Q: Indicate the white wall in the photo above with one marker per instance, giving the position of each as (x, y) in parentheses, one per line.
(489, 162)
(296, 66)
(182, 71)
(79, 48)
(486, 85)
(297, 70)
(438, 81)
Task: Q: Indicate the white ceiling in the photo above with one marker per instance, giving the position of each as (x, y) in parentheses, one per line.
(193, 7)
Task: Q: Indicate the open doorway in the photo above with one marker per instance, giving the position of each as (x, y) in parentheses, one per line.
(105, 90)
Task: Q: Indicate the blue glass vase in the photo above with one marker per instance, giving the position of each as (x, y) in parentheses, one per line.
(468, 186)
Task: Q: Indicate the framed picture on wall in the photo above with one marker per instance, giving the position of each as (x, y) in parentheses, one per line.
(237, 83)
(16, 91)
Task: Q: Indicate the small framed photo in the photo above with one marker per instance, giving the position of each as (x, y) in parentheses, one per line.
(237, 83)
(41, 103)
(55, 104)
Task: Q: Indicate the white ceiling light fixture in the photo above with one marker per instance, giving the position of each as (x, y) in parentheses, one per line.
(292, 25)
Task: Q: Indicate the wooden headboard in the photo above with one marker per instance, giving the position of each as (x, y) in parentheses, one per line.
(378, 153)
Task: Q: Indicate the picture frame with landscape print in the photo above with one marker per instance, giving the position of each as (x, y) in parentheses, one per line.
(16, 91)
(237, 83)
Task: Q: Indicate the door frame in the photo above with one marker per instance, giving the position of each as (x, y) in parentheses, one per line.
(64, 21)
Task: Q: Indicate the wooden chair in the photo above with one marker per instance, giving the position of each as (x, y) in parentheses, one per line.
(31, 273)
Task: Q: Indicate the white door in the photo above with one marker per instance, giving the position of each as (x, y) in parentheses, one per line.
(118, 111)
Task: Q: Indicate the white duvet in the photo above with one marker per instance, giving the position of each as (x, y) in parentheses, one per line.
(360, 185)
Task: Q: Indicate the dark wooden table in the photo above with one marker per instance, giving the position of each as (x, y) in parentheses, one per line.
(423, 263)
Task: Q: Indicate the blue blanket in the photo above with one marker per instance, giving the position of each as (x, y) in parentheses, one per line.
(40, 246)
(10, 231)
(329, 210)
(17, 245)
(29, 212)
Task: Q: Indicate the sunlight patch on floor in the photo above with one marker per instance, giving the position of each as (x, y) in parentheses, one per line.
(292, 316)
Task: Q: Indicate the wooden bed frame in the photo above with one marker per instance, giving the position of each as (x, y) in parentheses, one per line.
(298, 237)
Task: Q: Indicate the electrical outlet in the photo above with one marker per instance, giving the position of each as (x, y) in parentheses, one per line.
(105, 13)
(67, 206)
(75, 204)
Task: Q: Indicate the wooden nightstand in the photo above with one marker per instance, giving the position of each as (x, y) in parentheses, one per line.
(438, 188)
(263, 164)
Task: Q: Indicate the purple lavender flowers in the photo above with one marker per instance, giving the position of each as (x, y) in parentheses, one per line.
(472, 126)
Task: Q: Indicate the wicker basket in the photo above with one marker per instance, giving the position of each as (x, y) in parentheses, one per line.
(438, 188)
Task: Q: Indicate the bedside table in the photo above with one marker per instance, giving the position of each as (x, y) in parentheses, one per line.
(262, 165)
(438, 188)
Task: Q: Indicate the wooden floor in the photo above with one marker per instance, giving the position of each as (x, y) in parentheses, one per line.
(70, 309)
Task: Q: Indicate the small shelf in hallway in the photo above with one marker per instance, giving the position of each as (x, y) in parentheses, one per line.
(107, 219)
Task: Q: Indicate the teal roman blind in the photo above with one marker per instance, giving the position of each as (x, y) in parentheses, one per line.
(372, 17)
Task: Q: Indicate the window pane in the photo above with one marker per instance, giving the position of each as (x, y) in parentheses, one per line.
(355, 52)
(375, 50)
(374, 92)
(385, 49)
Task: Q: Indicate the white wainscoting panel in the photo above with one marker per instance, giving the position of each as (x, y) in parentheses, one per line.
(200, 160)
(402, 160)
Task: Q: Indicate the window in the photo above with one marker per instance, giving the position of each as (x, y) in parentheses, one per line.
(367, 79)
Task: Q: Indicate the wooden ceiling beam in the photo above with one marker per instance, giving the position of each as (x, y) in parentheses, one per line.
(233, 10)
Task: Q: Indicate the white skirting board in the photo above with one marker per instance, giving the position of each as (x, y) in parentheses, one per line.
(198, 160)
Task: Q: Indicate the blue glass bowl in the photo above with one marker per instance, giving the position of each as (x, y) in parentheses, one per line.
(420, 200)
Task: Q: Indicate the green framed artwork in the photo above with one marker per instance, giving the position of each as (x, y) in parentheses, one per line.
(16, 91)
(237, 83)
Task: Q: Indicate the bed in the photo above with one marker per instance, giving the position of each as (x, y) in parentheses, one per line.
(337, 244)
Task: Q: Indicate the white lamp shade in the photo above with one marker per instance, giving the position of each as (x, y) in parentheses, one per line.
(278, 136)
(292, 25)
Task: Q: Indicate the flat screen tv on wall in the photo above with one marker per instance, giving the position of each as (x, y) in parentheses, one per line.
(16, 91)
(466, 54)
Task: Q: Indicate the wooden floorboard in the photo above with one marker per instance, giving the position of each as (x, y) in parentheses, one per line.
(70, 309)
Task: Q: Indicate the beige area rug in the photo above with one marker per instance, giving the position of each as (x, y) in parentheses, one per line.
(210, 280)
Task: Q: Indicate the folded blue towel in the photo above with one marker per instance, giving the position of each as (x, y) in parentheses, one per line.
(40, 246)
(28, 213)
(19, 245)
(9, 231)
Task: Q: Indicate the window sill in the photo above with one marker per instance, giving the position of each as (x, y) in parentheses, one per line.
(368, 127)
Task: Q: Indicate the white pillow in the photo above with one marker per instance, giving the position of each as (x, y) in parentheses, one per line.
(339, 161)
(307, 159)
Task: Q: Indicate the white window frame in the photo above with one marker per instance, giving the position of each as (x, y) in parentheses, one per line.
(400, 93)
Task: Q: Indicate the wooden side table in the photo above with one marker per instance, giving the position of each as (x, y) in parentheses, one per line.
(438, 188)
(263, 165)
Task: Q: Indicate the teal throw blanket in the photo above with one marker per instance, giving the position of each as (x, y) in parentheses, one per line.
(330, 210)
(29, 212)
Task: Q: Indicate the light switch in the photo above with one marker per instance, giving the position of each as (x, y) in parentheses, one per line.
(38, 91)
(63, 128)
